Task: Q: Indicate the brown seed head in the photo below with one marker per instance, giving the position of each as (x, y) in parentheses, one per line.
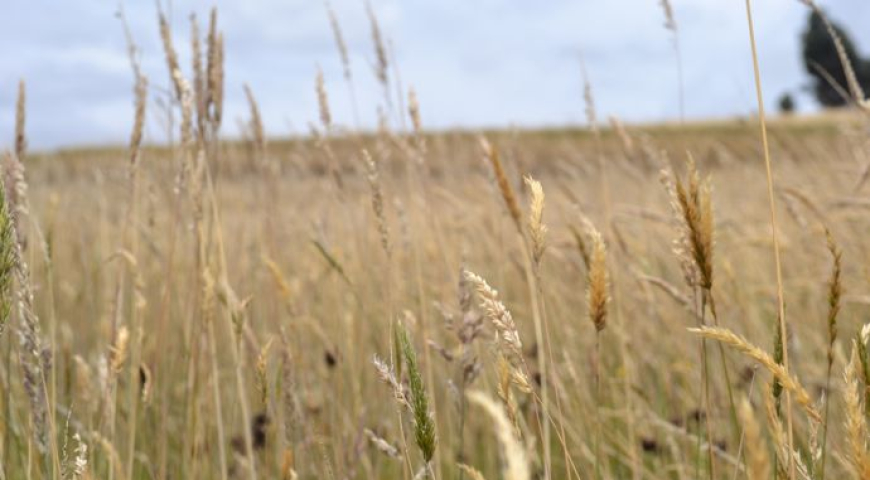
(596, 295)
(507, 192)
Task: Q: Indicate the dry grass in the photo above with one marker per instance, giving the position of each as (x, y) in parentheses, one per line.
(209, 309)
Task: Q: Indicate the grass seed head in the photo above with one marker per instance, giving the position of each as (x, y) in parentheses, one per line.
(537, 229)
(424, 423)
(596, 294)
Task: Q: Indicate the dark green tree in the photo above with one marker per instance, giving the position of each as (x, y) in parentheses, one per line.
(823, 64)
(786, 103)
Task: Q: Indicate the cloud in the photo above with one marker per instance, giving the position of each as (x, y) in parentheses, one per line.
(480, 63)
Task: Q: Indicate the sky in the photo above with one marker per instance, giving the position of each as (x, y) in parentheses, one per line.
(473, 63)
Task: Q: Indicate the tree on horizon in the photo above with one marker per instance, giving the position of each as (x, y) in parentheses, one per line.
(823, 64)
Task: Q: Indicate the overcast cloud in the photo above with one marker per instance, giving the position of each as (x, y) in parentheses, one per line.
(474, 63)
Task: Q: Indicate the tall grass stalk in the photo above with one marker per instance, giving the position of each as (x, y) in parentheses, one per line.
(774, 232)
(596, 300)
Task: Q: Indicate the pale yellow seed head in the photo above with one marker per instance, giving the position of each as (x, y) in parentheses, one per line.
(323, 101)
(516, 460)
(537, 229)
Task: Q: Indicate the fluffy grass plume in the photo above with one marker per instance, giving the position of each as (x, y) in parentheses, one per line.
(691, 204)
(498, 314)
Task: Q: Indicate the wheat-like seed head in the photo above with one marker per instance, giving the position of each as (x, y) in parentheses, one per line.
(141, 95)
(414, 111)
(171, 55)
(596, 294)
(417, 123)
(35, 359)
(580, 243)
(856, 423)
(388, 376)
(670, 21)
(498, 314)
(512, 368)
(17, 197)
(589, 100)
(507, 193)
(682, 244)
(216, 81)
(7, 260)
(381, 444)
(261, 368)
(516, 462)
(537, 229)
(211, 48)
(256, 124)
(323, 101)
(199, 83)
(339, 40)
(186, 100)
(382, 63)
(16, 213)
(743, 346)
(377, 200)
(835, 293)
(214, 71)
(692, 205)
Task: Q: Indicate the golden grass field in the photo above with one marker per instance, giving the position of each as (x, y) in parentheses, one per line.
(305, 308)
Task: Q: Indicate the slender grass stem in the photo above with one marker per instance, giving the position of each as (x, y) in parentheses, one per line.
(774, 234)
